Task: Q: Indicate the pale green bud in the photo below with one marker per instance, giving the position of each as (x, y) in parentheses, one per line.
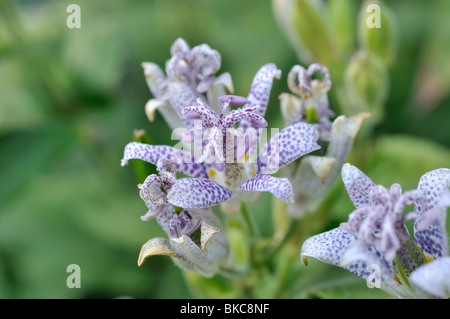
(366, 82)
(377, 30)
(307, 26)
(343, 15)
(312, 25)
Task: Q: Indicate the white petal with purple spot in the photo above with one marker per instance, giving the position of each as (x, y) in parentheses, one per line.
(280, 187)
(197, 193)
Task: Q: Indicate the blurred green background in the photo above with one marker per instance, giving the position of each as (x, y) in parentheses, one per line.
(71, 98)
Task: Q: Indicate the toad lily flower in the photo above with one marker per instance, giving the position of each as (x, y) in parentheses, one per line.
(215, 182)
(196, 241)
(315, 175)
(191, 74)
(209, 186)
(376, 234)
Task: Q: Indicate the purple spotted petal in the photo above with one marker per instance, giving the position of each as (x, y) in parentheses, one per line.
(280, 187)
(184, 162)
(248, 113)
(203, 112)
(337, 247)
(434, 278)
(288, 145)
(358, 258)
(197, 193)
(329, 247)
(260, 89)
(182, 95)
(433, 240)
(262, 85)
(164, 218)
(358, 185)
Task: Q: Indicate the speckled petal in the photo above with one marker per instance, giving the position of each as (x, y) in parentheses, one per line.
(433, 278)
(249, 113)
(288, 145)
(150, 191)
(185, 162)
(358, 185)
(336, 247)
(262, 85)
(327, 247)
(358, 259)
(197, 193)
(203, 112)
(433, 240)
(260, 89)
(164, 218)
(182, 95)
(280, 187)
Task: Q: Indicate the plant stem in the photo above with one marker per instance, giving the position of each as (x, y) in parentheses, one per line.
(249, 222)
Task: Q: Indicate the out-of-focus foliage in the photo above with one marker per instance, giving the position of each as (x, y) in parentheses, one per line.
(71, 98)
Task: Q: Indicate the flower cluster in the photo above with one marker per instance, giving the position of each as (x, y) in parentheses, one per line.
(190, 74)
(225, 159)
(376, 234)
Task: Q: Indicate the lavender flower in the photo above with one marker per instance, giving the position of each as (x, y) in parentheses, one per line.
(196, 241)
(217, 181)
(191, 74)
(376, 234)
(208, 185)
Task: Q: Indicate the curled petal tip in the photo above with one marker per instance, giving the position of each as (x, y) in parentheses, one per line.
(153, 247)
(123, 162)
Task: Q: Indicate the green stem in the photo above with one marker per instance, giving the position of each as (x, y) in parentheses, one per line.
(293, 227)
(284, 272)
(249, 221)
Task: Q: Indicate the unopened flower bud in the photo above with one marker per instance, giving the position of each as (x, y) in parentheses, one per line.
(306, 25)
(312, 26)
(366, 83)
(377, 30)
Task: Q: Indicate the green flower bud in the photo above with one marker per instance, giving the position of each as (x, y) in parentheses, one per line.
(307, 26)
(366, 83)
(343, 17)
(377, 31)
(311, 23)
